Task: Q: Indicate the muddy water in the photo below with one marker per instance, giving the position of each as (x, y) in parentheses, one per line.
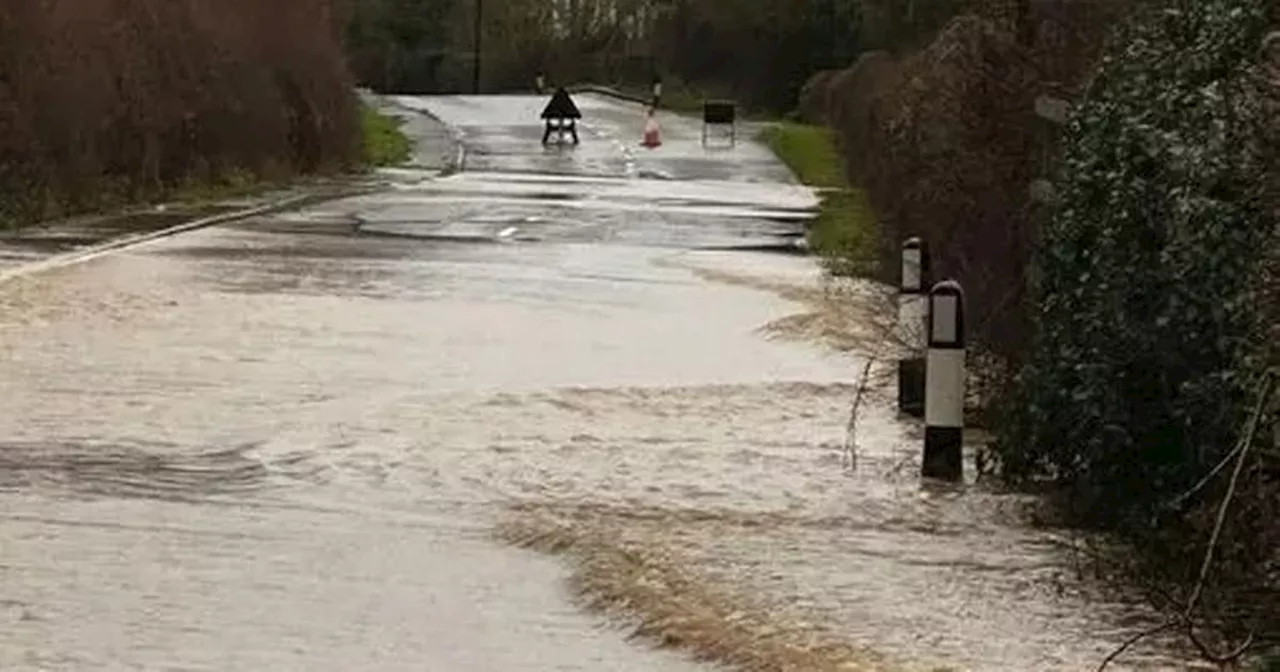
(242, 451)
(283, 444)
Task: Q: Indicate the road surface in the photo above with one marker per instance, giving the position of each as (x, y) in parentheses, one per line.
(282, 444)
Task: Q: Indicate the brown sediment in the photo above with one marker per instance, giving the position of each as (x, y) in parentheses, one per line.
(67, 294)
(31, 300)
(628, 573)
(856, 316)
(847, 315)
(924, 518)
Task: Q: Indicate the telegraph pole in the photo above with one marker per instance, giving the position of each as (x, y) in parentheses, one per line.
(478, 28)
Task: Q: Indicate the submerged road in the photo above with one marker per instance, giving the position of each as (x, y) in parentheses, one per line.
(282, 444)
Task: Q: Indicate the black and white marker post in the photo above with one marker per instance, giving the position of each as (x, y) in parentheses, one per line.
(913, 315)
(944, 384)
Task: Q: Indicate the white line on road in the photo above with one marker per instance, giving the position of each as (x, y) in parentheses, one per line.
(118, 244)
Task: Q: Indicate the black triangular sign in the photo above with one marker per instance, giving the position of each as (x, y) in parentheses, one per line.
(561, 106)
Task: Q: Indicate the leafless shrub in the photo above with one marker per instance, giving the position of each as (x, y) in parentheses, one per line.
(102, 99)
(947, 144)
(814, 97)
(941, 146)
(857, 100)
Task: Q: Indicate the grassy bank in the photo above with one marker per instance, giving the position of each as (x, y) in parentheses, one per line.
(382, 141)
(844, 233)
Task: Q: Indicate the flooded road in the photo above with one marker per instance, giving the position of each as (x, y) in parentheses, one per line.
(285, 443)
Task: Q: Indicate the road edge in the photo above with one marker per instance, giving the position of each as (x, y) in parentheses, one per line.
(118, 244)
(458, 160)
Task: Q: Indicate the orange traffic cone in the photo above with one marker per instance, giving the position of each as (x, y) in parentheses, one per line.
(652, 135)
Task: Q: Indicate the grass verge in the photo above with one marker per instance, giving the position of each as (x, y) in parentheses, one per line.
(383, 143)
(844, 234)
(643, 582)
(111, 197)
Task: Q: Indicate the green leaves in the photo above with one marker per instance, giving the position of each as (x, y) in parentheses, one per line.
(1148, 266)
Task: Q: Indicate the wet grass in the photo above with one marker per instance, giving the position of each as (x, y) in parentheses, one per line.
(636, 578)
(810, 152)
(384, 144)
(113, 201)
(843, 314)
(845, 232)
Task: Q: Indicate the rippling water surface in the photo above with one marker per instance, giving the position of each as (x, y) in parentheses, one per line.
(282, 444)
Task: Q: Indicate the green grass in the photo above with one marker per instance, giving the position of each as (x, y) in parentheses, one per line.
(383, 141)
(809, 151)
(844, 233)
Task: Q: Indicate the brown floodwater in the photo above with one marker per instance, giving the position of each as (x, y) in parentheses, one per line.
(284, 443)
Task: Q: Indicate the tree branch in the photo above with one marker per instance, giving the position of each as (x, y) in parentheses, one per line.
(1187, 618)
(851, 430)
(1246, 442)
(1149, 632)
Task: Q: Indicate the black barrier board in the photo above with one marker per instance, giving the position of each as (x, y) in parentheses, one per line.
(561, 106)
(719, 112)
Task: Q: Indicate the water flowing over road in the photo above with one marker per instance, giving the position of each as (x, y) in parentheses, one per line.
(284, 443)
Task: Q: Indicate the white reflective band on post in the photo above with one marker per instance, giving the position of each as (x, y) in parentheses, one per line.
(944, 384)
(944, 388)
(911, 262)
(946, 314)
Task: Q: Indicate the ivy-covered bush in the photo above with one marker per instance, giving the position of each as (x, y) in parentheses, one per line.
(1150, 306)
(1152, 309)
(1145, 350)
(1153, 306)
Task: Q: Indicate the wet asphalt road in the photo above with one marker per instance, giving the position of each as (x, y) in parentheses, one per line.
(281, 444)
(263, 446)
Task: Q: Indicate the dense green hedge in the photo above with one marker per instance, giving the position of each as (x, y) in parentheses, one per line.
(1146, 353)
